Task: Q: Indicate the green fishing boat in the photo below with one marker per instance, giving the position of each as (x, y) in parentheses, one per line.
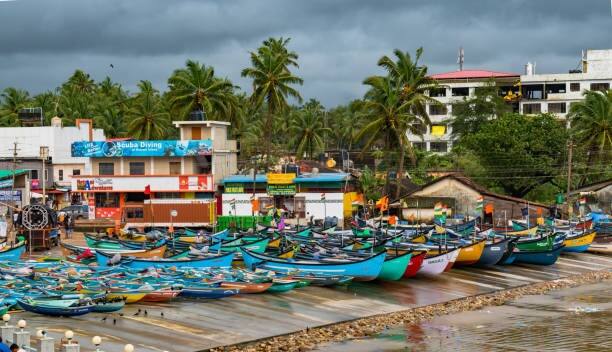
(394, 267)
(545, 243)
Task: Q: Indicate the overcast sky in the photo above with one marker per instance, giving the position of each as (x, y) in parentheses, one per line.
(339, 41)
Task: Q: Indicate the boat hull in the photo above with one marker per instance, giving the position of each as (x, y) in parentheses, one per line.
(493, 252)
(416, 261)
(220, 261)
(394, 268)
(579, 243)
(13, 254)
(56, 311)
(539, 257)
(440, 263)
(208, 293)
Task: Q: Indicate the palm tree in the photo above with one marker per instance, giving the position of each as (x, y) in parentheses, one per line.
(591, 125)
(309, 129)
(110, 119)
(81, 82)
(196, 88)
(391, 117)
(11, 101)
(48, 102)
(149, 119)
(410, 82)
(272, 82)
(74, 105)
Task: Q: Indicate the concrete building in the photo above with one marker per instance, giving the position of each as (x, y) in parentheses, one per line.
(184, 171)
(555, 92)
(455, 86)
(303, 196)
(26, 142)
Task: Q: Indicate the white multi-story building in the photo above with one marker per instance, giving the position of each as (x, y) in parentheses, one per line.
(455, 86)
(554, 93)
(533, 93)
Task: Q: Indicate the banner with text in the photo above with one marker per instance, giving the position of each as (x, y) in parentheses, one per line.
(109, 149)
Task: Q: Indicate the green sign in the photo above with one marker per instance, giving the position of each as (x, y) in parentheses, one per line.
(234, 188)
(281, 190)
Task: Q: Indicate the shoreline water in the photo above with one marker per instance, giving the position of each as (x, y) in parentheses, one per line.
(312, 338)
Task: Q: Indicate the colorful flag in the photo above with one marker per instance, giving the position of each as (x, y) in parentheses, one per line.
(583, 201)
(254, 204)
(147, 190)
(479, 203)
(489, 208)
(438, 209)
(323, 197)
(383, 203)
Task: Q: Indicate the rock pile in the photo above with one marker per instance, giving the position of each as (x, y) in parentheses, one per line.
(309, 338)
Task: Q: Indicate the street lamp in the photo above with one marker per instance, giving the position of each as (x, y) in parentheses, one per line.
(44, 155)
(6, 318)
(128, 348)
(96, 340)
(69, 335)
(21, 324)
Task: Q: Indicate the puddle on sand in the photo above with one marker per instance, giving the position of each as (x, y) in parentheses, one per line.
(573, 319)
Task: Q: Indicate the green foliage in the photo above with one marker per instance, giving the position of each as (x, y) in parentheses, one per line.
(371, 186)
(471, 113)
(148, 116)
(308, 129)
(11, 100)
(591, 122)
(518, 152)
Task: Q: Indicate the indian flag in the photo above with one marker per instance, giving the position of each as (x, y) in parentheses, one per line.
(583, 201)
(438, 209)
(479, 203)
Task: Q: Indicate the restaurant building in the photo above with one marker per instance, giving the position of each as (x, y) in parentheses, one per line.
(302, 196)
(137, 181)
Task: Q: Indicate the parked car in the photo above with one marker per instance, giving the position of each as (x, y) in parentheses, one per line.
(77, 212)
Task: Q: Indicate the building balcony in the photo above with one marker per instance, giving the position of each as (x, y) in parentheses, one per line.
(137, 183)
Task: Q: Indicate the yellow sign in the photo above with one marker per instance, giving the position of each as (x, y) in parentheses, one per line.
(280, 179)
(438, 130)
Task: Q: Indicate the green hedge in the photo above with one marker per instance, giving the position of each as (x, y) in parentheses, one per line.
(241, 222)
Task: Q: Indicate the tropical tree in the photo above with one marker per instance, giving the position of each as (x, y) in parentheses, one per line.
(80, 82)
(148, 118)
(48, 102)
(272, 82)
(591, 125)
(110, 119)
(400, 103)
(196, 88)
(308, 130)
(11, 101)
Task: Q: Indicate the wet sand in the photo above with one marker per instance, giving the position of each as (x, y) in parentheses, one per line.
(190, 325)
(571, 319)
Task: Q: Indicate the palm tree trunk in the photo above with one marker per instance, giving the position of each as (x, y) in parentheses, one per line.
(268, 136)
(400, 169)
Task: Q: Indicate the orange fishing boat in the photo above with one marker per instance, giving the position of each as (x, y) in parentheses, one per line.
(247, 287)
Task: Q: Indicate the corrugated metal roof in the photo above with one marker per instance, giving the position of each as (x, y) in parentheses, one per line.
(473, 74)
(245, 178)
(321, 177)
(9, 173)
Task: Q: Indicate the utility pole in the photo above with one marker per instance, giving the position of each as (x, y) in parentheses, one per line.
(569, 177)
(12, 209)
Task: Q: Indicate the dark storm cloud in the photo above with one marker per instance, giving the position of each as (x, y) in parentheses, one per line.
(339, 41)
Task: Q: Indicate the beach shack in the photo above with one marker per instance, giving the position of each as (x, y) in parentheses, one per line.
(316, 195)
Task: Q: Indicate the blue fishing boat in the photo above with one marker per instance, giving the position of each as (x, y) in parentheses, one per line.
(363, 269)
(212, 261)
(13, 253)
(55, 310)
(493, 252)
(545, 257)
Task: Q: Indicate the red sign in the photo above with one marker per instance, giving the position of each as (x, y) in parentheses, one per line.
(202, 182)
(183, 182)
(35, 184)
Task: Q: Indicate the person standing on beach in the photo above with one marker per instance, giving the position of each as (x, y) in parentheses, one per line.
(3, 346)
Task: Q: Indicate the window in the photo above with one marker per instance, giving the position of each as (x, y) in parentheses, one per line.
(575, 87)
(557, 108)
(461, 92)
(438, 130)
(196, 133)
(137, 168)
(33, 174)
(556, 88)
(437, 110)
(600, 86)
(419, 145)
(134, 213)
(60, 175)
(175, 167)
(534, 91)
(76, 172)
(168, 195)
(421, 128)
(438, 147)
(107, 200)
(532, 108)
(105, 169)
(437, 92)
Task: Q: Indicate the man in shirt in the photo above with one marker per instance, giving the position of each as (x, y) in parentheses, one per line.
(3, 346)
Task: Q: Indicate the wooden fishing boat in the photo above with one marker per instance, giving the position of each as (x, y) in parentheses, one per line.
(439, 263)
(281, 285)
(394, 267)
(324, 280)
(537, 243)
(416, 261)
(108, 307)
(247, 287)
(164, 295)
(47, 308)
(208, 292)
(13, 253)
(469, 254)
(128, 296)
(213, 260)
(361, 269)
(493, 252)
(545, 257)
(258, 246)
(159, 252)
(580, 242)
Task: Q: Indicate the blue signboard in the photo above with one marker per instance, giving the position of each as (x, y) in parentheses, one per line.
(7, 196)
(109, 149)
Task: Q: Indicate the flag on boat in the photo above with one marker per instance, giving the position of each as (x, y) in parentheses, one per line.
(440, 211)
(233, 203)
(525, 211)
(254, 204)
(147, 190)
(489, 208)
(383, 203)
(323, 197)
